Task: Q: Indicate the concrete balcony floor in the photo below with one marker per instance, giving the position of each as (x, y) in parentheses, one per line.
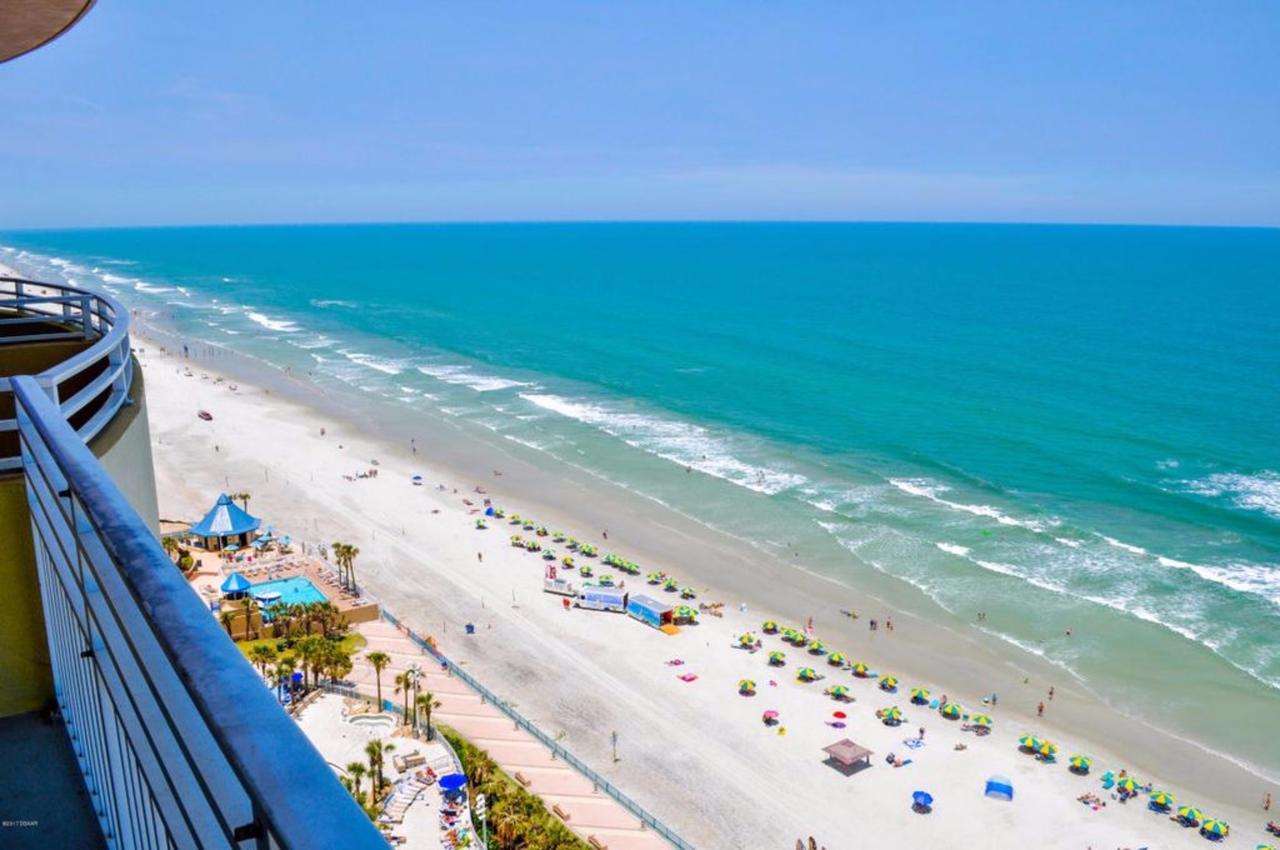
(43, 801)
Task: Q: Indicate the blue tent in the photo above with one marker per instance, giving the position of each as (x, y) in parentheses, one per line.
(1000, 787)
(452, 781)
(236, 583)
(224, 521)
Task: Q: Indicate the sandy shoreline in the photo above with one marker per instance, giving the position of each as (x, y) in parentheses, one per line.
(695, 753)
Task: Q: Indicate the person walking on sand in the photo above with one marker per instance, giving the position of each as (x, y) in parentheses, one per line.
(1266, 802)
(1040, 710)
(1051, 693)
(480, 557)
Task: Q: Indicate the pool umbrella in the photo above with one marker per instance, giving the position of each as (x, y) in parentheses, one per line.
(1215, 827)
(453, 782)
(1127, 785)
(920, 696)
(747, 686)
(1190, 814)
(235, 583)
(1030, 742)
(777, 659)
(921, 800)
(952, 710)
(839, 691)
(836, 658)
(1162, 799)
(982, 720)
(770, 627)
(817, 647)
(1080, 764)
(859, 670)
(888, 683)
(806, 674)
(234, 547)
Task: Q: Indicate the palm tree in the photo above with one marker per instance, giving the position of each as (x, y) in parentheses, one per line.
(427, 703)
(356, 770)
(376, 750)
(243, 496)
(345, 554)
(170, 545)
(262, 655)
(227, 618)
(310, 654)
(353, 552)
(404, 686)
(284, 673)
(414, 675)
(249, 605)
(379, 660)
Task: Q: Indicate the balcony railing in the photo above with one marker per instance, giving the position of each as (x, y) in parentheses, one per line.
(180, 743)
(89, 386)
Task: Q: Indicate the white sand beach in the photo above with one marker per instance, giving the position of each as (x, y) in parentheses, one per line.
(695, 753)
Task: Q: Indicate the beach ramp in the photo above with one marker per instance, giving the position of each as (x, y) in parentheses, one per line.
(847, 757)
(999, 788)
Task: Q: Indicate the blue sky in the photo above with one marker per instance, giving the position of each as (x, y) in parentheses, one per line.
(234, 112)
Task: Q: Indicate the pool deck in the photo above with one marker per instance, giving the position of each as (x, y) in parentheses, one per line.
(213, 569)
(571, 796)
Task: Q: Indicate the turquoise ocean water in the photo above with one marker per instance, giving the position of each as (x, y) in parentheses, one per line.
(1061, 426)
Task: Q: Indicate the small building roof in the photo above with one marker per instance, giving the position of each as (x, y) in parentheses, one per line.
(847, 752)
(236, 583)
(649, 604)
(225, 519)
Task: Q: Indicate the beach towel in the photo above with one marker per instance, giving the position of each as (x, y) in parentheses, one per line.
(912, 743)
(688, 677)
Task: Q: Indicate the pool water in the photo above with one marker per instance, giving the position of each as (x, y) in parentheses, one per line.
(295, 590)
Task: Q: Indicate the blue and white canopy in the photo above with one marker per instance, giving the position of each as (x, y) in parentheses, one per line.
(235, 583)
(225, 520)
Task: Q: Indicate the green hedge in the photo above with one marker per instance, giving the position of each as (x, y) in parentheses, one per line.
(518, 820)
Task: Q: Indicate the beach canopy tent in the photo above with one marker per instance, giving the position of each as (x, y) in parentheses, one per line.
(999, 787)
(847, 754)
(226, 524)
(235, 585)
(648, 610)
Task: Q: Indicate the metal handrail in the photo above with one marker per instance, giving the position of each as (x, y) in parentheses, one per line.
(205, 750)
(555, 746)
(76, 314)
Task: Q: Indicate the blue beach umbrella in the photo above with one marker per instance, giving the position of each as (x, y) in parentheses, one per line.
(922, 800)
(452, 781)
(235, 583)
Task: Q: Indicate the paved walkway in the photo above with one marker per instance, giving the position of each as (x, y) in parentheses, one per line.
(592, 814)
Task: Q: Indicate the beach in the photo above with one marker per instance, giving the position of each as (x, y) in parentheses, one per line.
(695, 753)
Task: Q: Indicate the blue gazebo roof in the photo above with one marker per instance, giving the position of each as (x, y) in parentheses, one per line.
(225, 519)
(235, 583)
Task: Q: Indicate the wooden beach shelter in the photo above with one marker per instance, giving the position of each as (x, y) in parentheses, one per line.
(847, 757)
(226, 524)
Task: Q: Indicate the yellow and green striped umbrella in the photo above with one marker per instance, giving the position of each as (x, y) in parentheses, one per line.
(1081, 763)
(746, 686)
(777, 657)
(859, 669)
(747, 639)
(1030, 742)
(800, 639)
(1048, 748)
(789, 633)
(1163, 799)
(770, 627)
(806, 674)
(1215, 827)
(839, 691)
(836, 658)
(892, 715)
(1190, 813)
(817, 647)
(888, 682)
(982, 720)
(952, 710)
(1127, 785)
(920, 696)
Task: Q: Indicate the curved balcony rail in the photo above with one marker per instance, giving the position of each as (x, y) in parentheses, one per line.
(180, 744)
(90, 385)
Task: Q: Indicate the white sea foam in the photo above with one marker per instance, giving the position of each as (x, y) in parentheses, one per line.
(311, 343)
(463, 376)
(151, 288)
(684, 443)
(1127, 547)
(1260, 492)
(281, 325)
(114, 278)
(332, 302)
(386, 365)
(1256, 579)
(953, 549)
(932, 491)
(1074, 544)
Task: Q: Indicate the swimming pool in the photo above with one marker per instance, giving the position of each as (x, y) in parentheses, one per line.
(295, 590)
